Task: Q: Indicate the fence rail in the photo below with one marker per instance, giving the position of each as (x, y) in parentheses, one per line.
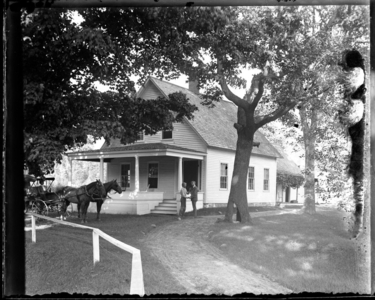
(136, 280)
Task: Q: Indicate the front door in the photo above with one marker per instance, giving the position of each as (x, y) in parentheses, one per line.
(190, 173)
(287, 194)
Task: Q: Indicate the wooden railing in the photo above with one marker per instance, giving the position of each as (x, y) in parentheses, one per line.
(136, 280)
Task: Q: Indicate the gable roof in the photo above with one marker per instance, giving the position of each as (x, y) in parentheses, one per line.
(215, 125)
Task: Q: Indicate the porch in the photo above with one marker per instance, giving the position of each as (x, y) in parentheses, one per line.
(150, 175)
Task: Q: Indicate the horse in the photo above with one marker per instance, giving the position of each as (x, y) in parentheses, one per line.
(111, 185)
(83, 195)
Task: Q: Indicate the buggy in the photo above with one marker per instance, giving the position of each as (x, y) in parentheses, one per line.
(39, 197)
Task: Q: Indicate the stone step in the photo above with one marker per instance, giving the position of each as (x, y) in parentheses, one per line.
(163, 212)
(165, 208)
(170, 201)
(167, 205)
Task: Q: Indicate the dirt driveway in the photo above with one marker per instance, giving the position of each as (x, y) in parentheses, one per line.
(183, 247)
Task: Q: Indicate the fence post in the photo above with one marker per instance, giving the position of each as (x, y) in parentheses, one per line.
(95, 246)
(136, 283)
(33, 229)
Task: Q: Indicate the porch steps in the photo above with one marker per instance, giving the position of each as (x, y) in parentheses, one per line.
(167, 207)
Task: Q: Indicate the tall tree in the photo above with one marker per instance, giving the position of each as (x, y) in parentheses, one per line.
(326, 32)
(272, 40)
(63, 60)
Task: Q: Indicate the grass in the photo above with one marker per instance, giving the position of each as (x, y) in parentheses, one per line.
(221, 210)
(310, 253)
(61, 260)
(301, 252)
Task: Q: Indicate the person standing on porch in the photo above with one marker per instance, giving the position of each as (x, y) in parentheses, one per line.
(194, 197)
(183, 201)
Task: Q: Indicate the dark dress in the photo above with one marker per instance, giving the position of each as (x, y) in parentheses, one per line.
(194, 194)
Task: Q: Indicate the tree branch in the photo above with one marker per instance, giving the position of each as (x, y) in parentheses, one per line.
(314, 119)
(258, 82)
(274, 115)
(326, 28)
(305, 124)
(227, 92)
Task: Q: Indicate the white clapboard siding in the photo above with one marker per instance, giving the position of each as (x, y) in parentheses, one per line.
(183, 134)
(213, 192)
(167, 181)
(167, 178)
(149, 91)
(216, 195)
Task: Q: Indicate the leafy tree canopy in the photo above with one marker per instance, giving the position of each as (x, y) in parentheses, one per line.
(63, 60)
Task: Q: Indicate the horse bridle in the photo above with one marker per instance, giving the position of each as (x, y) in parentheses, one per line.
(111, 188)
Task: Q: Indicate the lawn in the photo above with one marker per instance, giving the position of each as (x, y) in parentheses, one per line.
(302, 252)
(62, 260)
(61, 251)
(221, 210)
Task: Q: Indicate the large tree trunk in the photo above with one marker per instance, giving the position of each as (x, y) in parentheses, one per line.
(309, 205)
(309, 141)
(238, 189)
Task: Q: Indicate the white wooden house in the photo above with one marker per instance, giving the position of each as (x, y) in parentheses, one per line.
(202, 150)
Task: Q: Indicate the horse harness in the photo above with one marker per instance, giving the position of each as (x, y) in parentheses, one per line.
(87, 193)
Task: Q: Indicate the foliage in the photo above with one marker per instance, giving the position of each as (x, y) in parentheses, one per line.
(325, 139)
(271, 39)
(160, 41)
(289, 180)
(63, 60)
(275, 40)
(84, 172)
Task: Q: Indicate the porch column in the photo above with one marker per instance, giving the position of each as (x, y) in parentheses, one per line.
(136, 179)
(179, 180)
(101, 167)
(179, 184)
(70, 161)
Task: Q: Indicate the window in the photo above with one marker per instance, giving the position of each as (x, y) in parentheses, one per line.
(140, 136)
(125, 176)
(153, 174)
(167, 134)
(250, 180)
(266, 179)
(223, 176)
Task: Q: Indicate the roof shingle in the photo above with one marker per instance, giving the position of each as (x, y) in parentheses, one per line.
(215, 125)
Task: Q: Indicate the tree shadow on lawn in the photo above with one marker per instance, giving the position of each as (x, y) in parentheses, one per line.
(61, 261)
(210, 211)
(303, 252)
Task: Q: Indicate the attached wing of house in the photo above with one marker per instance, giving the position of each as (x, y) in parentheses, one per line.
(201, 150)
(289, 178)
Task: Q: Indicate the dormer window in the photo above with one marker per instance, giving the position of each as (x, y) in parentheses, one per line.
(167, 134)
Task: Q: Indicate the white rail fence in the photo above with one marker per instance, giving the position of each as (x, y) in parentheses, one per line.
(136, 281)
